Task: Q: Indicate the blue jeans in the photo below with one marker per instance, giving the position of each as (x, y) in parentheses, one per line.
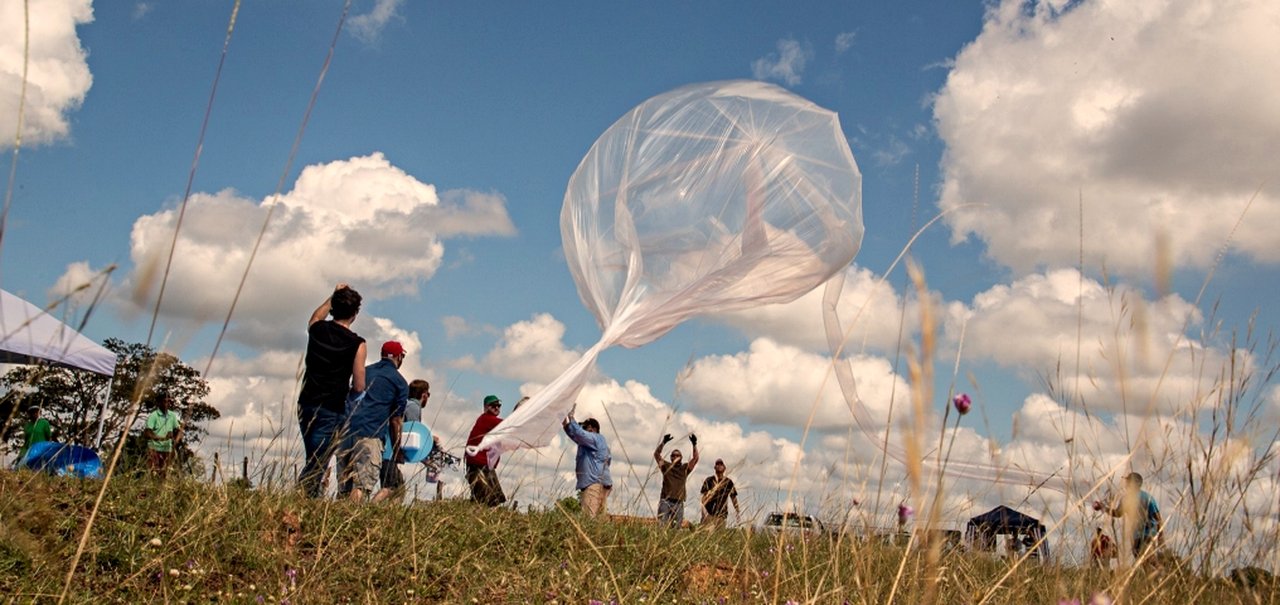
(319, 427)
(670, 512)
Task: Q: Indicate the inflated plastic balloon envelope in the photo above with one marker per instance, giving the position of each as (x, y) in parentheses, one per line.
(709, 198)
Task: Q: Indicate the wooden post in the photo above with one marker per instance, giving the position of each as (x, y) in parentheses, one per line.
(439, 490)
(214, 477)
(244, 469)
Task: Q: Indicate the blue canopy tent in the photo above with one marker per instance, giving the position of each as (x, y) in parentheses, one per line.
(1025, 531)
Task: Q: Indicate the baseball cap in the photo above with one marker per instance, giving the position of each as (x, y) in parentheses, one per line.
(490, 399)
(392, 347)
(719, 462)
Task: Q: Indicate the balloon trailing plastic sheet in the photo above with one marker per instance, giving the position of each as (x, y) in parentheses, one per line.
(709, 198)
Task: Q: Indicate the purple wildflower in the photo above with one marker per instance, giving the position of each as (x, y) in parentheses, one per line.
(962, 403)
(905, 512)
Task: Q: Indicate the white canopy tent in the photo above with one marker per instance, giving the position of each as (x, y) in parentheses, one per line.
(30, 335)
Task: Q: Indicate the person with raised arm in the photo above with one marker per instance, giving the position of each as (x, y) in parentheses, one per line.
(335, 369)
(675, 474)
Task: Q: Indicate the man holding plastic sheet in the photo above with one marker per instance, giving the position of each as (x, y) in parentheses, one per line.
(481, 476)
(717, 491)
(1143, 514)
(162, 431)
(335, 367)
(591, 465)
(674, 476)
(374, 417)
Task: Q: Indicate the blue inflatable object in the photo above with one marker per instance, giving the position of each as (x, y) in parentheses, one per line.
(63, 460)
(415, 440)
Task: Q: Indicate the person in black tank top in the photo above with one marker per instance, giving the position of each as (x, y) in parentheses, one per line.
(335, 367)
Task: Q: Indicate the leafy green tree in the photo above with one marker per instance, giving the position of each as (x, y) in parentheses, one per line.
(73, 399)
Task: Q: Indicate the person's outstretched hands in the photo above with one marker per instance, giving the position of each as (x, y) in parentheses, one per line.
(666, 438)
(693, 439)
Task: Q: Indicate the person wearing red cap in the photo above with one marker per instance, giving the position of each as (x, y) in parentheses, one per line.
(373, 417)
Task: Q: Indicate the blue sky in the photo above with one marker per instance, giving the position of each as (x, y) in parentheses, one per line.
(444, 135)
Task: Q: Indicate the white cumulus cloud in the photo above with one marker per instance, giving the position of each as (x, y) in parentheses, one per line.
(780, 385)
(1134, 355)
(368, 26)
(531, 350)
(57, 76)
(786, 65)
(1160, 114)
(361, 221)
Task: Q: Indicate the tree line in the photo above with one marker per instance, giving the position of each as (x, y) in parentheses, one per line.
(72, 400)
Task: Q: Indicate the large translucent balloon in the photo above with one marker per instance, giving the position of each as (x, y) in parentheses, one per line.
(708, 198)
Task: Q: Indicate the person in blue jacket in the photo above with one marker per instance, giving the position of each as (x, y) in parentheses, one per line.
(1145, 522)
(591, 465)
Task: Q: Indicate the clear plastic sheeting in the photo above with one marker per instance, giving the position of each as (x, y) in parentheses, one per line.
(709, 198)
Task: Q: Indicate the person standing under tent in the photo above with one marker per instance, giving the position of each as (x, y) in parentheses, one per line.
(591, 465)
(481, 476)
(162, 431)
(717, 491)
(675, 474)
(335, 368)
(35, 430)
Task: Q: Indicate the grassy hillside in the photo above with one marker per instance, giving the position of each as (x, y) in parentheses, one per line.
(187, 542)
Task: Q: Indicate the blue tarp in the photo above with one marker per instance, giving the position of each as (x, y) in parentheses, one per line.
(63, 460)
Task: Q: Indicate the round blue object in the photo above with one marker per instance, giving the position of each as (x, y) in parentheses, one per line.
(62, 459)
(415, 440)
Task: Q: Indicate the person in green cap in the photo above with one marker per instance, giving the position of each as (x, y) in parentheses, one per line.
(481, 476)
(162, 431)
(34, 430)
